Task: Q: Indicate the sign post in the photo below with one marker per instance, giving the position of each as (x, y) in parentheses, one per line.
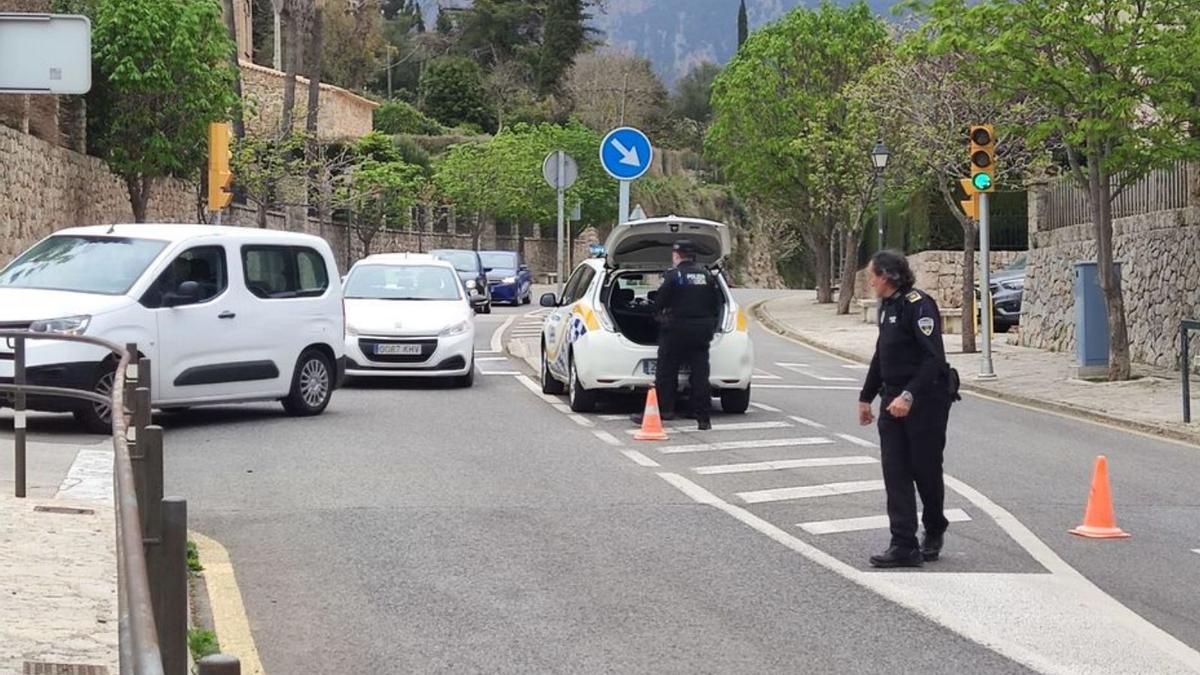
(45, 54)
(560, 171)
(626, 155)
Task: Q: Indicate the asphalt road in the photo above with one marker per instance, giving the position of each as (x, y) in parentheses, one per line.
(416, 528)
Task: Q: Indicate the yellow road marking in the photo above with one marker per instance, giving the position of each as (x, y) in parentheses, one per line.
(229, 614)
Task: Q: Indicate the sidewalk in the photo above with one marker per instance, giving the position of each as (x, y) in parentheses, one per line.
(1152, 403)
(58, 579)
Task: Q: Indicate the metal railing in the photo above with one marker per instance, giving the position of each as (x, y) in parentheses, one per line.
(152, 582)
(1160, 190)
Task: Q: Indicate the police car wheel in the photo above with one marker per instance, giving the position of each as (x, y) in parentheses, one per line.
(581, 399)
(735, 401)
(549, 384)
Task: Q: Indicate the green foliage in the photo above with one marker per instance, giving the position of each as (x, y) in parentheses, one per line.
(413, 153)
(260, 164)
(693, 93)
(193, 558)
(161, 76)
(202, 643)
(353, 44)
(453, 92)
(398, 117)
(382, 187)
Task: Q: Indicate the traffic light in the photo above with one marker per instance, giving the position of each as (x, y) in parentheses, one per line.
(983, 158)
(220, 177)
(971, 205)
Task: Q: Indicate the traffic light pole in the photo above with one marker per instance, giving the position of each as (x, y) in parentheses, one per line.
(986, 372)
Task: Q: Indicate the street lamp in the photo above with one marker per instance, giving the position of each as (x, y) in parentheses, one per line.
(879, 157)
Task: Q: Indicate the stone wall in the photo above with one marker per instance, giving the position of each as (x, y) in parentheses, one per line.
(343, 114)
(1160, 256)
(46, 188)
(940, 274)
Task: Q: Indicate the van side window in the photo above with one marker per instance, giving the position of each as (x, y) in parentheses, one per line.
(281, 272)
(204, 265)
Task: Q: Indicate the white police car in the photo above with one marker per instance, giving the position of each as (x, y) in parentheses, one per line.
(602, 335)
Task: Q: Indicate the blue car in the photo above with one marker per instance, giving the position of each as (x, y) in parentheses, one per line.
(508, 278)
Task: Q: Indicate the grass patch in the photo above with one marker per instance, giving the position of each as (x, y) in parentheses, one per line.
(202, 643)
(193, 557)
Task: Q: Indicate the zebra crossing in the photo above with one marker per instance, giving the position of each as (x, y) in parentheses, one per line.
(529, 325)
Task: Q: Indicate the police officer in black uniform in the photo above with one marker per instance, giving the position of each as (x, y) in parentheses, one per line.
(689, 304)
(910, 374)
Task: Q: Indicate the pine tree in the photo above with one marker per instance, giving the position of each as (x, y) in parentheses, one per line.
(743, 24)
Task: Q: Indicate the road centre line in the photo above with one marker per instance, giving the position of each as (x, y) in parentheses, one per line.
(868, 523)
(820, 387)
(783, 464)
(810, 491)
(640, 459)
(803, 369)
(807, 422)
(765, 407)
(747, 445)
(608, 438)
(857, 441)
(739, 426)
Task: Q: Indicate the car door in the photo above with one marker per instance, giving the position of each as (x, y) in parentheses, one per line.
(558, 323)
(201, 348)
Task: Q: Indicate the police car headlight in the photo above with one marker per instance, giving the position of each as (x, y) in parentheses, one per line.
(68, 325)
(457, 329)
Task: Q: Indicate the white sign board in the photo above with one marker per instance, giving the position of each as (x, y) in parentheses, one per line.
(45, 54)
(550, 170)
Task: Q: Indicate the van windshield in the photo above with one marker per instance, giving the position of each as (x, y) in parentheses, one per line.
(82, 264)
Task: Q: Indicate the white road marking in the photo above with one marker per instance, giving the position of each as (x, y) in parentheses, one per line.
(90, 477)
(608, 438)
(491, 358)
(810, 491)
(867, 523)
(641, 459)
(563, 408)
(498, 335)
(857, 441)
(747, 445)
(500, 372)
(739, 426)
(764, 406)
(854, 366)
(791, 366)
(807, 422)
(581, 420)
(802, 369)
(782, 464)
(536, 388)
(1196, 550)
(760, 374)
(1053, 623)
(820, 387)
(485, 351)
(613, 418)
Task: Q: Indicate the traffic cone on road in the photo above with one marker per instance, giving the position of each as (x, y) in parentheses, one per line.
(652, 426)
(1100, 522)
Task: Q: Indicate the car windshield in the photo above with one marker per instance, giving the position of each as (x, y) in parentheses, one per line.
(463, 261)
(502, 260)
(407, 282)
(1019, 263)
(82, 264)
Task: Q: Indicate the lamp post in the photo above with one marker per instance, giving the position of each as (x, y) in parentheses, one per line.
(879, 157)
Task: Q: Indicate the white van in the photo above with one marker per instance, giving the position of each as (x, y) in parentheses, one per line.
(225, 314)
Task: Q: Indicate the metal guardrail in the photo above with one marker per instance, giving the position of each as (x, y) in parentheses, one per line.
(151, 530)
(1185, 366)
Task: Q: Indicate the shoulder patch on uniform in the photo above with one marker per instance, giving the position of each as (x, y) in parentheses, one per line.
(925, 323)
(914, 296)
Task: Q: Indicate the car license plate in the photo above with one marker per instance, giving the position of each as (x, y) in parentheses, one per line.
(397, 350)
(650, 367)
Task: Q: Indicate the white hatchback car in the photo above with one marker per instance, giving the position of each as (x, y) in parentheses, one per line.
(602, 335)
(226, 314)
(408, 315)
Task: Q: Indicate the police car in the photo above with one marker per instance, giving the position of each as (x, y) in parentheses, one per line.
(602, 334)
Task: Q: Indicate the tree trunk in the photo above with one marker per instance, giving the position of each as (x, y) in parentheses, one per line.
(850, 244)
(314, 74)
(294, 56)
(239, 124)
(1100, 192)
(262, 215)
(139, 196)
(818, 246)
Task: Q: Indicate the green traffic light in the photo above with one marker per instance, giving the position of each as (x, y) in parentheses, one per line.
(981, 181)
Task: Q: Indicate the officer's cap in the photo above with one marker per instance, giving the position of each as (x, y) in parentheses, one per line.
(685, 247)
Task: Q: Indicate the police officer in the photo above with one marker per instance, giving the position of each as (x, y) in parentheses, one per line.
(689, 304)
(910, 374)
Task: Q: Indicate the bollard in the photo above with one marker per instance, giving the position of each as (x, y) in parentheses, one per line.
(171, 603)
(131, 377)
(151, 442)
(137, 432)
(19, 417)
(220, 664)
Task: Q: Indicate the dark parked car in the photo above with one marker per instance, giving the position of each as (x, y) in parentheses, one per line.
(509, 279)
(471, 270)
(1007, 286)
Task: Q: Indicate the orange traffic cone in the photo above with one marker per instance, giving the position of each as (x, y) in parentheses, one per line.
(1100, 522)
(652, 426)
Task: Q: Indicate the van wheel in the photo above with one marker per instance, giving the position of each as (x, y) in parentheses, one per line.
(581, 400)
(735, 401)
(312, 385)
(96, 418)
(550, 385)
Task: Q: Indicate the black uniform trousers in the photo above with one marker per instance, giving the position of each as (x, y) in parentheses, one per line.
(911, 448)
(684, 343)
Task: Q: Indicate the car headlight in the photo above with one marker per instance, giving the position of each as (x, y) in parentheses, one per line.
(457, 329)
(470, 284)
(1014, 285)
(67, 325)
(351, 331)
(510, 280)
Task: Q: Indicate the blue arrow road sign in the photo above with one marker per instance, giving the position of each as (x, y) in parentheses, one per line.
(626, 153)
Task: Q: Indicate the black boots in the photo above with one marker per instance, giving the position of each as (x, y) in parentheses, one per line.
(898, 557)
(931, 547)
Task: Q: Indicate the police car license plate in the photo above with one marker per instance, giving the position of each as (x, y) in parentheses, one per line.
(397, 350)
(650, 367)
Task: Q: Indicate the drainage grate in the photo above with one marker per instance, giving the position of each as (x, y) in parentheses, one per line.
(37, 668)
(66, 510)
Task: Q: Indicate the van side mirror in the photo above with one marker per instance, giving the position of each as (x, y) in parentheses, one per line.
(523, 267)
(549, 300)
(188, 293)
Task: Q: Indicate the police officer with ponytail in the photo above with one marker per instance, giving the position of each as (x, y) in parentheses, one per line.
(916, 386)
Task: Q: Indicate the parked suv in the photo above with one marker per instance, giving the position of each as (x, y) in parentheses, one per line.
(1008, 287)
(225, 314)
(473, 274)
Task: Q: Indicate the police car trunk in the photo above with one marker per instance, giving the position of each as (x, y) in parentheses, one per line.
(637, 254)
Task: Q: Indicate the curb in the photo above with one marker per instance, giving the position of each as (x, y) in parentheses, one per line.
(764, 317)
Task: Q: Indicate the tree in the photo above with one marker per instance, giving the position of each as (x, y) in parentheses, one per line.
(1118, 78)
(693, 93)
(354, 42)
(782, 79)
(381, 190)
(162, 75)
(743, 24)
(564, 35)
(616, 89)
(398, 117)
(453, 93)
(261, 164)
